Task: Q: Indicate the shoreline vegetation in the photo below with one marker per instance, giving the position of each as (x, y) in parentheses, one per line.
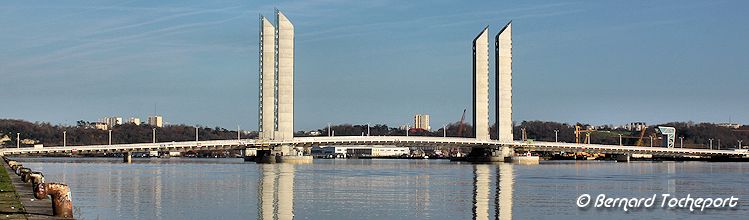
(695, 135)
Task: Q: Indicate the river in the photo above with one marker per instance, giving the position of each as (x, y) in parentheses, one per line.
(229, 188)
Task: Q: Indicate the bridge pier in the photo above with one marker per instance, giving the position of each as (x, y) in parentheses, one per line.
(281, 154)
(490, 154)
(622, 157)
(127, 157)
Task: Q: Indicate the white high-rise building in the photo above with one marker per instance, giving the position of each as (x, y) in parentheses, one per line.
(156, 121)
(134, 120)
(112, 121)
(422, 122)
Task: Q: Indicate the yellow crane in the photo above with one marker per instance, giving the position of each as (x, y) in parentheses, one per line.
(579, 130)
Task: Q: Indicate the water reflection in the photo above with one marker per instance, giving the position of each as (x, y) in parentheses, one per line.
(276, 191)
(503, 187)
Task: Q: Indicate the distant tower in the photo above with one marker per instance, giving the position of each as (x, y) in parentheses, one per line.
(503, 86)
(481, 85)
(276, 96)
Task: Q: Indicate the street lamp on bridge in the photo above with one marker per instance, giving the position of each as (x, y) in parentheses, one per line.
(64, 138)
(444, 130)
(153, 134)
(556, 136)
(681, 142)
(196, 133)
(110, 137)
(718, 144)
(740, 144)
(620, 139)
(18, 140)
(711, 143)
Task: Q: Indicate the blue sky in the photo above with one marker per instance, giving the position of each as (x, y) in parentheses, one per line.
(377, 61)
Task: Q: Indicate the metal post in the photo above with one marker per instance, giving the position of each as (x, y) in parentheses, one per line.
(329, 132)
(651, 141)
(153, 135)
(681, 142)
(238, 133)
(110, 137)
(18, 140)
(333, 132)
(196, 133)
(556, 135)
(407, 128)
(620, 140)
(444, 130)
(367, 129)
(65, 138)
(718, 144)
(740, 144)
(711, 143)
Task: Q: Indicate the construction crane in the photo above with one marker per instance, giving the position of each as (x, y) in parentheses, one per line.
(462, 126)
(579, 130)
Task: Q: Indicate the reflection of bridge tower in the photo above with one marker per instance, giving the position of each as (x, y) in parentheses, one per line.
(503, 194)
(276, 192)
(276, 96)
(481, 191)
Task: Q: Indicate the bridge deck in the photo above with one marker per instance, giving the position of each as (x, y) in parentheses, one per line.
(404, 141)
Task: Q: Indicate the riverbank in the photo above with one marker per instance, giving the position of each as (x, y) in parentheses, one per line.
(17, 198)
(10, 203)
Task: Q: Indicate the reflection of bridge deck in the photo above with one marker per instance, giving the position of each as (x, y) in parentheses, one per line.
(404, 141)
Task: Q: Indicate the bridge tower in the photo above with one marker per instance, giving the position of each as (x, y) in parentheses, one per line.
(503, 79)
(267, 94)
(481, 85)
(276, 96)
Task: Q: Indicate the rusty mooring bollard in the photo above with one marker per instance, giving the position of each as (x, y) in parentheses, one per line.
(25, 174)
(36, 179)
(20, 168)
(62, 204)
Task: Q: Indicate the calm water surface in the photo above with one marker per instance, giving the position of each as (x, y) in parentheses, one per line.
(181, 188)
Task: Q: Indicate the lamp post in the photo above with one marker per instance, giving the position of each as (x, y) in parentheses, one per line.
(740, 144)
(110, 137)
(65, 138)
(330, 133)
(444, 131)
(153, 134)
(651, 141)
(681, 142)
(718, 144)
(711, 143)
(18, 140)
(368, 129)
(196, 133)
(238, 133)
(620, 139)
(556, 135)
(408, 127)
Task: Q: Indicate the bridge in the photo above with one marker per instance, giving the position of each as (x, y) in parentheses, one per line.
(400, 141)
(276, 111)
